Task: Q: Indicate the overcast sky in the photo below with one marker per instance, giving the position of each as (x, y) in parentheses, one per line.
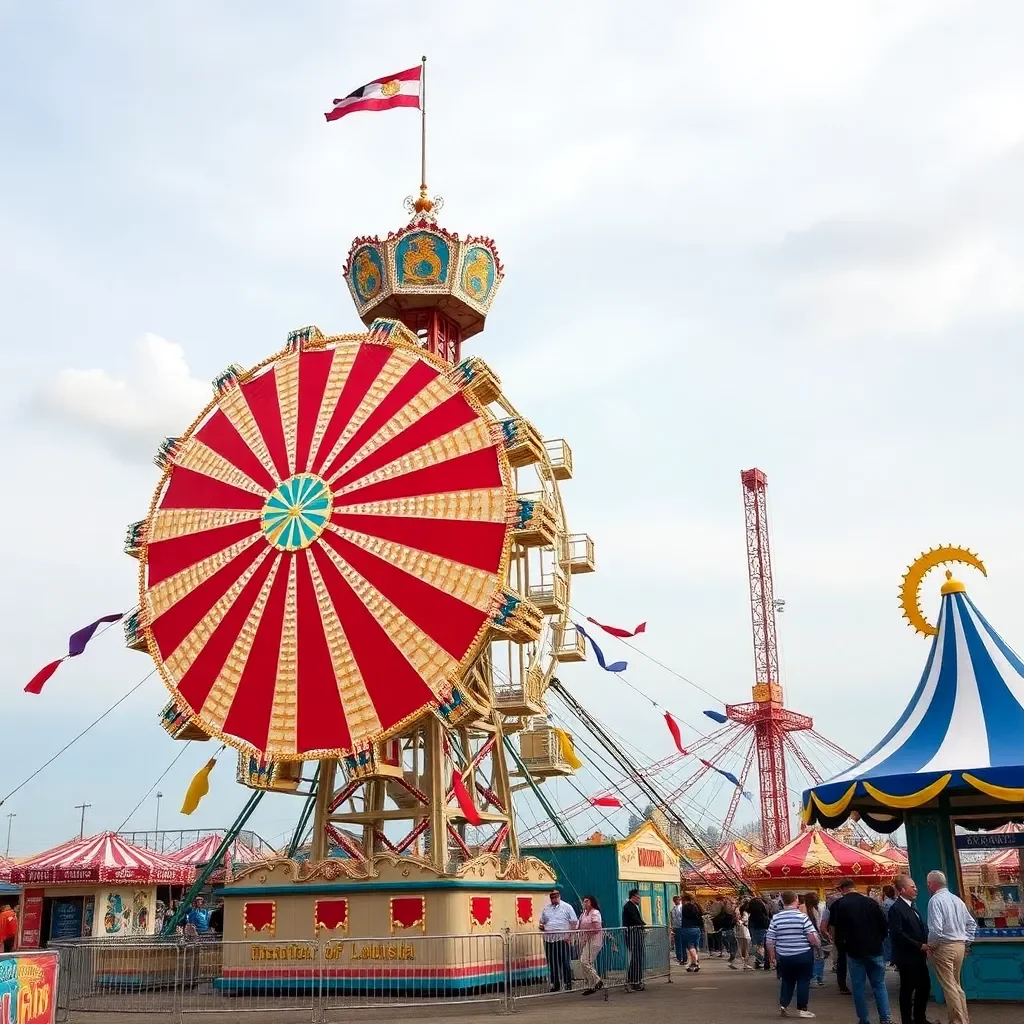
(785, 235)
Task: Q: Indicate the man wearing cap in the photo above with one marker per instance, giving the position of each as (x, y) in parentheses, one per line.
(557, 922)
(857, 922)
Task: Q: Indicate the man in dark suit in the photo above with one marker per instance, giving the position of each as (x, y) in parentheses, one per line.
(636, 941)
(909, 935)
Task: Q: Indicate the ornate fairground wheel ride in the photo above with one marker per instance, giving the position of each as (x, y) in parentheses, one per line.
(358, 558)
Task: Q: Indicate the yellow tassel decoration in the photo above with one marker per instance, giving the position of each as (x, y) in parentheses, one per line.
(198, 787)
(568, 752)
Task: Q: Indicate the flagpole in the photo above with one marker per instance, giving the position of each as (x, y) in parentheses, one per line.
(423, 124)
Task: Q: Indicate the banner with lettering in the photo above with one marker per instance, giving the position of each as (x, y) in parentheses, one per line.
(28, 987)
(31, 918)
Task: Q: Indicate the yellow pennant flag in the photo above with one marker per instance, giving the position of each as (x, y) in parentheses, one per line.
(568, 753)
(198, 787)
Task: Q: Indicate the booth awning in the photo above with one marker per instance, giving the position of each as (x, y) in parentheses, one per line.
(961, 730)
(101, 858)
(814, 854)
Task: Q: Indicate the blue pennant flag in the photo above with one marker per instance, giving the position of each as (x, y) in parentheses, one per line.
(615, 666)
(716, 716)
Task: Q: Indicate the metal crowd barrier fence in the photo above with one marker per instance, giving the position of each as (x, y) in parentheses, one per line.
(173, 978)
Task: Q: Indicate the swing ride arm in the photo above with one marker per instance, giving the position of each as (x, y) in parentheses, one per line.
(734, 803)
(214, 862)
(641, 781)
(307, 813)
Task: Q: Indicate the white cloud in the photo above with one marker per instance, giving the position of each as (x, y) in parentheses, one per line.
(158, 397)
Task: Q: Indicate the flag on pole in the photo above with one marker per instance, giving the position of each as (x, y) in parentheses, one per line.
(400, 90)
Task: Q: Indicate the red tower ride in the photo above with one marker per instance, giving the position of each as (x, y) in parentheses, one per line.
(770, 720)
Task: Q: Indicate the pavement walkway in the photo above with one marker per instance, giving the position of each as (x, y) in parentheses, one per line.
(715, 996)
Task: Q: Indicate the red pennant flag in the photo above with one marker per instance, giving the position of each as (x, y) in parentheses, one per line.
(465, 801)
(605, 801)
(35, 684)
(677, 736)
(622, 634)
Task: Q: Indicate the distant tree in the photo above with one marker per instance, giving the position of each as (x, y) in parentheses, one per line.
(711, 835)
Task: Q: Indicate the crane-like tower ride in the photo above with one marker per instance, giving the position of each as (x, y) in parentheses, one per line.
(766, 713)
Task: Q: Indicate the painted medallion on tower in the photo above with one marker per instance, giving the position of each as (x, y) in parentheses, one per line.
(421, 259)
(367, 273)
(478, 273)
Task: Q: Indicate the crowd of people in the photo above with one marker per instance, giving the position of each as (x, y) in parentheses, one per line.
(862, 936)
(795, 936)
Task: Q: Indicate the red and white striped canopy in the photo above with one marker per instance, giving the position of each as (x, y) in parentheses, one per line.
(6, 867)
(815, 853)
(203, 850)
(101, 858)
(709, 875)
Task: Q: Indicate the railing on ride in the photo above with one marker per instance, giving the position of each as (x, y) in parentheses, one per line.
(170, 978)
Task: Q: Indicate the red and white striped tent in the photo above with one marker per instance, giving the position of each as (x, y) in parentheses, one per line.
(6, 867)
(101, 858)
(203, 850)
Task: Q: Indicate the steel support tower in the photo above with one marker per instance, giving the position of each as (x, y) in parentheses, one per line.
(766, 714)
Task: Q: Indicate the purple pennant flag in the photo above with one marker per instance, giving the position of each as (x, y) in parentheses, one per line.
(78, 640)
(77, 643)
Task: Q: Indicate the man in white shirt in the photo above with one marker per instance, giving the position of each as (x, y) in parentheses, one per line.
(951, 929)
(558, 922)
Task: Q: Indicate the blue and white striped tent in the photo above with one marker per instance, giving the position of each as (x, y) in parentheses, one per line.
(963, 730)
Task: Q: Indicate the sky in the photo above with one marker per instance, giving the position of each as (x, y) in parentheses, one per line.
(738, 234)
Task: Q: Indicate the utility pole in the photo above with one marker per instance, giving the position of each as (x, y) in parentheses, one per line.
(82, 808)
(10, 822)
(159, 797)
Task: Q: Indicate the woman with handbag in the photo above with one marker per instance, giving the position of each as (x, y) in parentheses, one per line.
(591, 941)
(822, 951)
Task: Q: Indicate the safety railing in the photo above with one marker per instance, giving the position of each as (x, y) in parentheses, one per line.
(177, 977)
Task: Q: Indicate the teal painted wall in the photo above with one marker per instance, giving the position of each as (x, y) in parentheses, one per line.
(994, 969)
(587, 869)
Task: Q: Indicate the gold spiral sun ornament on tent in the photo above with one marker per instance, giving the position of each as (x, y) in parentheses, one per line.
(913, 578)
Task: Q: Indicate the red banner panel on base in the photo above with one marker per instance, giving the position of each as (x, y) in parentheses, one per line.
(330, 915)
(480, 911)
(524, 909)
(31, 918)
(260, 917)
(408, 912)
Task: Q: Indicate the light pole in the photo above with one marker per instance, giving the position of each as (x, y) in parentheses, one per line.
(159, 797)
(81, 829)
(10, 821)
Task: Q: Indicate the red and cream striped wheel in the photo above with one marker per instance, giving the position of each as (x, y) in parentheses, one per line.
(326, 549)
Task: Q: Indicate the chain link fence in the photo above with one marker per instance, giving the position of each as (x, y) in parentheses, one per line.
(317, 981)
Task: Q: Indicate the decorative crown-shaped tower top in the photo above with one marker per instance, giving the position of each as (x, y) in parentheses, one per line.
(438, 285)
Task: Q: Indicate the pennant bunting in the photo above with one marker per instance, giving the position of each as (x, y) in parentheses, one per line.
(606, 801)
(615, 666)
(466, 804)
(677, 736)
(618, 631)
(717, 716)
(77, 643)
(567, 750)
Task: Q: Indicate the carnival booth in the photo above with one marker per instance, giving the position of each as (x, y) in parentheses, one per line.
(99, 886)
(708, 879)
(816, 862)
(951, 770)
